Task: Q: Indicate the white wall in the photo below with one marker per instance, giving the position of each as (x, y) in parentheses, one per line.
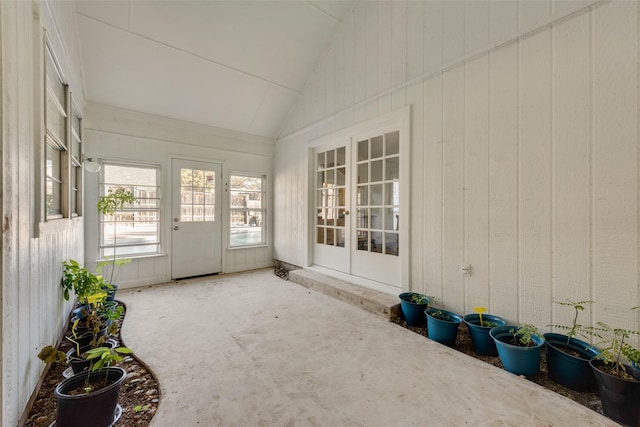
(524, 148)
(33, 310)
(113, 133)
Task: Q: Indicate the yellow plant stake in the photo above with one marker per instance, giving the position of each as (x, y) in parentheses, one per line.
(480, 310)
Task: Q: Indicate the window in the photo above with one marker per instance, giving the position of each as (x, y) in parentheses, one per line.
(197, 195)
(330, 201)
(248, 210)
(135, 230)
(57, 138)
(76, 165)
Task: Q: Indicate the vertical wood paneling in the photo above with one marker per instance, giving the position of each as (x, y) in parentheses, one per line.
(384, 55)
(398, 52)
(415, 38)
(415, 97)
(476, 185)
(454, 30)
(503, 178)
(534, 192)
(477, 16)
(433, 35)
(452, 184)
(571, 222)
(371, 51)
(504, 19)
(532, 12)
(615, 162)
(432, 205)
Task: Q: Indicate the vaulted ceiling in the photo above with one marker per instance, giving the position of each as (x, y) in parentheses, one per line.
(238, 65)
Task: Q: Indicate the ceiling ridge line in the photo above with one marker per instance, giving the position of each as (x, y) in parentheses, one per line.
(324, 12)
(246, 73)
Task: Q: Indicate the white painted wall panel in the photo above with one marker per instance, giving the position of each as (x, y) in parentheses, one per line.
(614, 259)
(33, 310)
(524, 148)
(476, 183)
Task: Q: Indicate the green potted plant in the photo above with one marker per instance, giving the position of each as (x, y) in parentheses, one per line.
(479, 325)
(412, 305)
(90, 397)
(115, 200)
(618, 381)
(567, 356)
(442, 325)
(518, 348)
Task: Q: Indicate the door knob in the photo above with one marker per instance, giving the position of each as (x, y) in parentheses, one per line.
(346, 212)
(175, 227)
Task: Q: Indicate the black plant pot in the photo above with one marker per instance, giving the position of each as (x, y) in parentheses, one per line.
(566, 369)
(111, 293)
(619, 396)
(95, 409)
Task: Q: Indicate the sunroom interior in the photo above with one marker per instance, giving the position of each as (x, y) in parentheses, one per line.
(482, 152)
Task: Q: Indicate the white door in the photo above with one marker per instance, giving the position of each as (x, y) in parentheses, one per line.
(377, 218)
(332, 228)
(357, 206)
(196, 227)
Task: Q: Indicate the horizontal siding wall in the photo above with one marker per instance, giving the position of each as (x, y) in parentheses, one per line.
(113, 133)
(524, 150)
(33, 310)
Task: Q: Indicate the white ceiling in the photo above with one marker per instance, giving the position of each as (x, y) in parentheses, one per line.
(236, 65)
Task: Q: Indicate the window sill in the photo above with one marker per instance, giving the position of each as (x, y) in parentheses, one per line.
(235, 248)
(133, 257)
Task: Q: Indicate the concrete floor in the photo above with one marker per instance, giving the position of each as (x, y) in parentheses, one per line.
(251, 349)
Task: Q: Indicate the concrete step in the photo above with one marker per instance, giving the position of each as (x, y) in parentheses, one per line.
(376, 302)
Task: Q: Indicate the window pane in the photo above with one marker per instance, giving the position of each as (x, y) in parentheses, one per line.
(134, 229)
(363, 150)
(340, 156)
(330, 159)
(376, 242)
(392, 141)
(363, 240)
(340, 176)
(376, 147)
(376, 218)
(376, 194)
(339, 236)
(376, 171)
(392, 170)
(247, 216)
(363, 173)
(53, 189)
(391, 244)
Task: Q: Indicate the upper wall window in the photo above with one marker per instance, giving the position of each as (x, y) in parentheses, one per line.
(57, 141)
(248, 210)
(135, 230)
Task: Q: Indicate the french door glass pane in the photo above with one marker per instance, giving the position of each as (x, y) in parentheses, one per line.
(330, 196)
(378, 194)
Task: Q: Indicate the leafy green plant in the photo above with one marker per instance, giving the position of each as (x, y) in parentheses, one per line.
(419, 298)
(575, 328)
(614, 346)
(109, 204)
(524, 335)
(439, 314)
(85, 286)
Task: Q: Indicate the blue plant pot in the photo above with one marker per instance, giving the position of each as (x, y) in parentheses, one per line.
(517, 359)
(482, 342)
(443, 331)
(413, 313)
(571, 371)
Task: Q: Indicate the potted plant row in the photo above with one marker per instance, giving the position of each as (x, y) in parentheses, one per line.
(89, 394)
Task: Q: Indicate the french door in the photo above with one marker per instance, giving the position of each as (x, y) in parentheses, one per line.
(358, 209)
(196, 228)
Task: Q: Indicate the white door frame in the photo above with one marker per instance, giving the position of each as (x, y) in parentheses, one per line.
(169, 204)
(401, 118)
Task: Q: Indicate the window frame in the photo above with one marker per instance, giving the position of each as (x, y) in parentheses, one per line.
(106, 251)
(54, 142)
(263, 208)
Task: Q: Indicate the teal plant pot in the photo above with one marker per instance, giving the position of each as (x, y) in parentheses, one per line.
(412, 312)
(517, 359)
(619, 396)
(482, 342)
(572, 371)
(445, 330)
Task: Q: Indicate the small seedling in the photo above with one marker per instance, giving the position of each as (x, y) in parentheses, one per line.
(139, 408)
(575, 328)
(523, 335)
(419, 299)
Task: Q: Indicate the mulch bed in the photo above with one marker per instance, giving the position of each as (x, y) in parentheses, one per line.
(139, 393)
(463, 344)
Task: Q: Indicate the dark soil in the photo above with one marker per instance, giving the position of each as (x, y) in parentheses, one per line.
(139, 393)
(589, 399)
